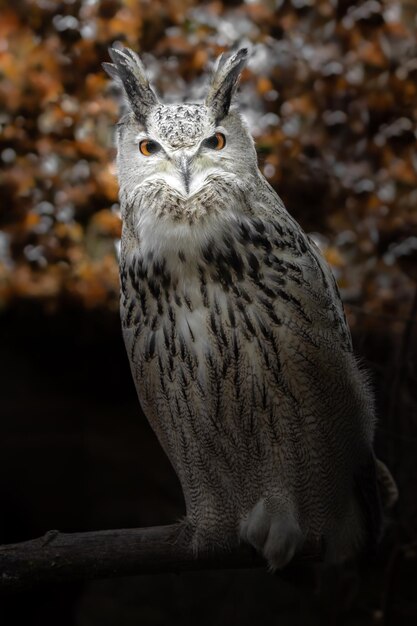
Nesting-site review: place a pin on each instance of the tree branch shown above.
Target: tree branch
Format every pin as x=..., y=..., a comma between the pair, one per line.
x=62, y=557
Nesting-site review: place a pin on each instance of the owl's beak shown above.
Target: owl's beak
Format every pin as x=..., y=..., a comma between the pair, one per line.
x=184, y=168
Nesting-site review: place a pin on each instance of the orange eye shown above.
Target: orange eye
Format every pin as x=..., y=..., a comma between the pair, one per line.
x=216, y=142
x=149, y=147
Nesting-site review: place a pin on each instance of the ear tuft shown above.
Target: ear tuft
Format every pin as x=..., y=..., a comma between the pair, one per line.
x=111, y=70
x=224, y=82
x=128, y=69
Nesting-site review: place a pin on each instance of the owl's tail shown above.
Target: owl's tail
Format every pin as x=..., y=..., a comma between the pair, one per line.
x=377, y=493
x=387, y=486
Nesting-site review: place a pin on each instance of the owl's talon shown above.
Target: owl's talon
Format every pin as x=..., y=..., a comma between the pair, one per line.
x=274, y=533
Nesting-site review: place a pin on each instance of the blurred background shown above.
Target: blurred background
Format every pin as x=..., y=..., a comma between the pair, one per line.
x=330, y=94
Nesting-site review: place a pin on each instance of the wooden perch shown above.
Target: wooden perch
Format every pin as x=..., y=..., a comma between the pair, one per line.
x=63, y=557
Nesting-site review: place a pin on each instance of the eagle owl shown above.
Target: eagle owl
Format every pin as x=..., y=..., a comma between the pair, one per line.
x=235, y=333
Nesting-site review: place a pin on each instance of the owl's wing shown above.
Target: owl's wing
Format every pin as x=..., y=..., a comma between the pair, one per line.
x=330, y=282
x=290, y=267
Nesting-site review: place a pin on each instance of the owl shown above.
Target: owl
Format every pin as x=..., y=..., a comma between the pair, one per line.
x=236, y=335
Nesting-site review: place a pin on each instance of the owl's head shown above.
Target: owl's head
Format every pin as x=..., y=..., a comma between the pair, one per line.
x=181, y=156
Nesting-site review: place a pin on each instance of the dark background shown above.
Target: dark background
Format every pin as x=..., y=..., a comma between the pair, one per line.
x=330, y=94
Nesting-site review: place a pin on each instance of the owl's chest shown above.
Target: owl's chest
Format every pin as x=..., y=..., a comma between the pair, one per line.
x=180, y=329
x=234, y=316
x=210, y=337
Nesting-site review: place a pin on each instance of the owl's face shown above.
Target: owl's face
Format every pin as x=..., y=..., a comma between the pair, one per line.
x=183, y=149
x=180, y=165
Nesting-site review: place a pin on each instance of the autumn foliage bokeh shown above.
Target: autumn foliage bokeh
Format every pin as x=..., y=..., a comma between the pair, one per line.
x=330, y=95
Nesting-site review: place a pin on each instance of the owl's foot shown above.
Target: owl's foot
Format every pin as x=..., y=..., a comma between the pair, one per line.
x=271, y=527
